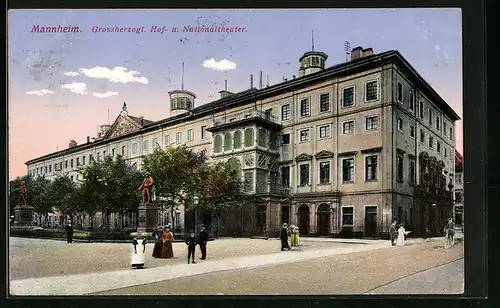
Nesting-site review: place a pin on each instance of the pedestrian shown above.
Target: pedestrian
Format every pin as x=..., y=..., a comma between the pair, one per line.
x=138, y=252
x=191, y=243
x=392, y=233
x=284, y=237
x=157, y=238
x=401, y=235
x=166, y=248
x=69, y=232
x=449, y=232
x=202, y=241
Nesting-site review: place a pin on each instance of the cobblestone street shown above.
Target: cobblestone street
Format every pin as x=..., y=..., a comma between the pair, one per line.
x=237, y=266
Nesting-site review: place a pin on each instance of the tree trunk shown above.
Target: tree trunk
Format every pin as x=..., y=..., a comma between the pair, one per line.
x=173, y=220
x=122, y=219
x=91, y=218
x=107, y=222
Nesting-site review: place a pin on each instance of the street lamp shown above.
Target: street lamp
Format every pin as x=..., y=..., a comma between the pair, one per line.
x=196, y=200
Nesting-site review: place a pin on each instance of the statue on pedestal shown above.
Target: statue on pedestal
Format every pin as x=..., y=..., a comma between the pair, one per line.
x=22, y=193
x=146, y=187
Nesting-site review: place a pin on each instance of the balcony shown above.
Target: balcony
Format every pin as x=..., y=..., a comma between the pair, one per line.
x=265, y=119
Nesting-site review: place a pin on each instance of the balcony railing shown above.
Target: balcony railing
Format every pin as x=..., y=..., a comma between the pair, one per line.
x=221, y=120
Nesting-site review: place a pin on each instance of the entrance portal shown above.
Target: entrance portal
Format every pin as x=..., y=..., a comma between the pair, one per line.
x=303, y=215
x=371, y=221
x=323, y=219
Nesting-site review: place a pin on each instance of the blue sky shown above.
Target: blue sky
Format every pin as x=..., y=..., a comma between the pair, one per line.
x=431, y=39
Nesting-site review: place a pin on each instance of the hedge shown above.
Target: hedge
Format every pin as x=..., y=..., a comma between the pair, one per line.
x=100, y=235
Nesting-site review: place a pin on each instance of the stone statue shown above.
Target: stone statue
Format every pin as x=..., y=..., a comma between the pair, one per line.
x=146, y=186
x=22, y=193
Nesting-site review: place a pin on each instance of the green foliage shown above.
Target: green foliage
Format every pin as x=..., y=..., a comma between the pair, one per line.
x=63, y=195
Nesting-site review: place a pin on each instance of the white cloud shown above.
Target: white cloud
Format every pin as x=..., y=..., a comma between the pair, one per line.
x=118, y=74
x=76, y=87
x=442, y=55
x=222, y=65
x=70, y=73
x=103, y=95
x=41, y=92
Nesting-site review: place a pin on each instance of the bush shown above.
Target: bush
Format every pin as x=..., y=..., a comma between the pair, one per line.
x=123, y=235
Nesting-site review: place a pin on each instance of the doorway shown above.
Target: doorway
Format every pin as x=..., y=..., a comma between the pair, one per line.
x=285, y=215
x=370, y=221
x=260, y=219
x=323, y=219
x=304, y=217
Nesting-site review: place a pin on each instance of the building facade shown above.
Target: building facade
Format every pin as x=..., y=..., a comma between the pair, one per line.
x=458, y=210
x=337, y=151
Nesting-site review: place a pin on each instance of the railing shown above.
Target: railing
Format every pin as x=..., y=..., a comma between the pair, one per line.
x=221, y=120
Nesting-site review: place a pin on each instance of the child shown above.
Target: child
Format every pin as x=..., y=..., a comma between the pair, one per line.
x=191, y=243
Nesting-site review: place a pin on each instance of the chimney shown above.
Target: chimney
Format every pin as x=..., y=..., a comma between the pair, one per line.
x=251, y=81
x=225, y=85
x=260, y=80
x=356, y=53
x=225, y=93
x=72, y=144
x=367, y=52
x=293, y=76
x=88, y=139
x=267, y=84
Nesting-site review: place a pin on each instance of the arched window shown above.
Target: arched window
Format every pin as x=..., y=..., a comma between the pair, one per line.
x=237, y=139
x=217, y=144
x=263, y=139
x=249, y=137
x=227, y=142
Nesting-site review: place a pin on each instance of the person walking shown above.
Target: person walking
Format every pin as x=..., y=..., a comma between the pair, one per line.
x=69, y=232
x=191, y=243
x=284, y=238
x=158, y=243
x=449, y=231
x=202, y=241
x=392, y=233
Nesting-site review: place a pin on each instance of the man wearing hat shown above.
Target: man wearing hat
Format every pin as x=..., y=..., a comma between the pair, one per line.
x=284, y=237
x=202, y=241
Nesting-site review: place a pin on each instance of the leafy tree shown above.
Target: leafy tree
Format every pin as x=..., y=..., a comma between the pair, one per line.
x=176, y=174
x=63, y=195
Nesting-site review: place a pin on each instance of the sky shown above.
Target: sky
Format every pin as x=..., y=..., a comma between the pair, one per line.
x=63, y=85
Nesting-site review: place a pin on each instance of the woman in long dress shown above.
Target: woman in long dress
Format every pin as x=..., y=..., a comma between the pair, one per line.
x=291, y=237
x=138, y=253
x=401, y=236
x=166, y=249
x=157, y=238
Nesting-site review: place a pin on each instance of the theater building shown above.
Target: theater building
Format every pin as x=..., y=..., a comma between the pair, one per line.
x=338, y=150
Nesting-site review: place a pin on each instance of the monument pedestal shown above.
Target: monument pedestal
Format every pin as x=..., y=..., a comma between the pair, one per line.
x=23, y=216
x=148, y=219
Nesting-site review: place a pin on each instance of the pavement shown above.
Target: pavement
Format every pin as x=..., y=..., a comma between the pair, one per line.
x=246, y=267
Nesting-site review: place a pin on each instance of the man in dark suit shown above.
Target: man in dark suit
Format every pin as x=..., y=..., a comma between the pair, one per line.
x=202, y=241
x=69, y=232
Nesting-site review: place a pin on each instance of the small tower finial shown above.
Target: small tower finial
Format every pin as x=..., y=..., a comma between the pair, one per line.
x=182, y=84
x=312, y=39
x=124, y=109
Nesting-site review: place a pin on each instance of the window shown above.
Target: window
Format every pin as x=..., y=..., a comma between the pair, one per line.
x=124, y=149
x=412, y=102
x=371, y=123
x=83, y=160
x=72, y=178
x=348, y=97
x=348, y=127
x=238, y=140
x=412, y=173
x=458, y=197
x=285, y=139
x=134, y=148
x=285, y=176
x=444, y=127
x=445, y=152
x=431, y=142
x=451, y=133
x=60, y=164
x=285, y=112
x=146, y=145
x=324, y=172
x=78, y=161
x=217, y=143
x=422, y=136
x=268, y=113
x=50, y=168
x=178, y=138
x=371, y=91
x=430, y=116
x=71, y=164
x=98, y=156
x=304, y=174
x=190, y=135
x=66, y=163
x=421, y=109
x=399, y=167
x=304, y=135
x=305, y=108
x=371, y=168
x=227, y=141
x=399, y=94
x=438, y=147
x=412, y=131
x=204, y=132
x=103, y=153
x=348, y=170
x=113, y=152
x=324, y=131
x=154, y=144
x=324, y=102
x=458, y=178
x=400, y=124
x=347, y=216
x=438, y=126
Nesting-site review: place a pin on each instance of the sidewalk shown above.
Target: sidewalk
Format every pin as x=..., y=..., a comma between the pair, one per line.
x=103, y=281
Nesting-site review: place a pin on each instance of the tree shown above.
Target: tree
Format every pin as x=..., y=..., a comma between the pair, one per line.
x=63, y=195
x=220, y=188
x=176, y=174
x=92, y=189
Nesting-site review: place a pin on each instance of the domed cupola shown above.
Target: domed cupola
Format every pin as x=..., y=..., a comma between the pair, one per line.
x=181, y=101
x=312, y=61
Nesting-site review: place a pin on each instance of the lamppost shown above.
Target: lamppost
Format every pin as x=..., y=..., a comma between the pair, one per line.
x=196, y=200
